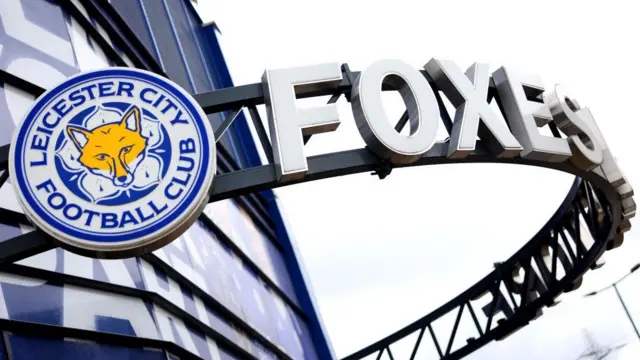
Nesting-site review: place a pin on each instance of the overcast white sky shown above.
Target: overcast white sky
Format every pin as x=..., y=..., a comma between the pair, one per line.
x=382, y=253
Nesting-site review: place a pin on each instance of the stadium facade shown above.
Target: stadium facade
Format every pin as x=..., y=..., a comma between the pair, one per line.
x=231, y=287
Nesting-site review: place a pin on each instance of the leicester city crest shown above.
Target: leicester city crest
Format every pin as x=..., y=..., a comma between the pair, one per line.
x=113, y=163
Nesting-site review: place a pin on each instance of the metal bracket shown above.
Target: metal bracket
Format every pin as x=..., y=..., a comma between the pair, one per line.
x=348, y=75
x=383, y=169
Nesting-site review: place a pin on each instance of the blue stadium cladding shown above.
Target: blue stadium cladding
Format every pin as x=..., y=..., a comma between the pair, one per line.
x=230, y=288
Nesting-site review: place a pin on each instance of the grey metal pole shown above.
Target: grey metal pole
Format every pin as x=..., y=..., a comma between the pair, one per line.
x=615, y=287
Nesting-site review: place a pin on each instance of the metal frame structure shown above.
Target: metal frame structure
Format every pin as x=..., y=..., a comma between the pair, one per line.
x=262, y=208
x=550, y=263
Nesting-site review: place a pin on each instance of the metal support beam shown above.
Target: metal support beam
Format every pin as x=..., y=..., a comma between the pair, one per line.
x=228, y=120
x=626, y=311
x=262, y=133
x=4, y=157
x=24, y=246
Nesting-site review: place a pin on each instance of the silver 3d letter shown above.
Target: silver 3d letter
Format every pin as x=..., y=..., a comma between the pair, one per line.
x=525, y=116
x=468, y=93
x=287, y=123
x=371, y=118
x=586, y=152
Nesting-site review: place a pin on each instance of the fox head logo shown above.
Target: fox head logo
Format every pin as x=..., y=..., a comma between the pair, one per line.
x=112, y=150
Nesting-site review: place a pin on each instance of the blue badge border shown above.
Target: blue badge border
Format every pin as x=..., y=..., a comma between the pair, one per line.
x=97, y=237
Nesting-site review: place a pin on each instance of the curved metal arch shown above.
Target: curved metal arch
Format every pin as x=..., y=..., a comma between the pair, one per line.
x=361, y=160
x=526, y=299
x=358, y=161
x=559, y=245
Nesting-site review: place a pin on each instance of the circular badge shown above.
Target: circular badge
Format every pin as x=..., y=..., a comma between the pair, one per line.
x=113, y=163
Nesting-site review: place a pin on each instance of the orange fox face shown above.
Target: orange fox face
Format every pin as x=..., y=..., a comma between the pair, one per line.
x=112, y=150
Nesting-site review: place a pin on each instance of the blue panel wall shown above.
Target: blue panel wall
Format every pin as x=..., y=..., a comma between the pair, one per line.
x=248, y=290
x=133, y=13
x=169, y=49
x=186, y=33
x=30, y=347
x=181, y=52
